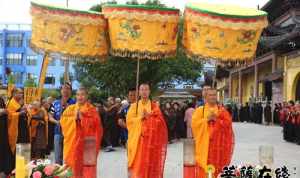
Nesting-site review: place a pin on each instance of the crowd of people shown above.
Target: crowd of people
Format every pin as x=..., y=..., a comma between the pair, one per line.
x=39, y=124
x=289, y=115
x=47, y=125
x=286, y=114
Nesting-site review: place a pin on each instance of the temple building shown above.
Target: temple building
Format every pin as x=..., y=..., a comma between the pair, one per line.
x=275, y=72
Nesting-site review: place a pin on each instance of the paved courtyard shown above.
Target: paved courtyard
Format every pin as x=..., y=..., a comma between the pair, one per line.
x=248, y=138
x=114, y=164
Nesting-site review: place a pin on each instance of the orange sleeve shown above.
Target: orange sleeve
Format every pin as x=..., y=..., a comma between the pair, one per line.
x=99, y=128
x=228, y=144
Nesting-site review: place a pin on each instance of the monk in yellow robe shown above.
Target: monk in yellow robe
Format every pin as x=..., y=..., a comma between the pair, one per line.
x=213, y=136
x=18, y=124
x=147, y=138
x=82, y=131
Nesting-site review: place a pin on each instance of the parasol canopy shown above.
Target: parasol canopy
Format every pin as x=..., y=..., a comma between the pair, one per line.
x=142, y=32
x=72, y=33
x=226, y=34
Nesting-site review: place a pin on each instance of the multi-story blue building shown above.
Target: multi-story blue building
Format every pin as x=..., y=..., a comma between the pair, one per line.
x=16, y=54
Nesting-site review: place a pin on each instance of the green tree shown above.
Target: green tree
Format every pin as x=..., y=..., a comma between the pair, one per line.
x=98, y=7
x=116, y=75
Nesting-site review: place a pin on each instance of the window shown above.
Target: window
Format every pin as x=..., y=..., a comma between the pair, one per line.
x=1, y=40
x=14, y=40
x=50, y=79
x=17, y=77
x=14, y=58
x=1, y=60
x=188, y=86
x=28, y=41
x=31, y=60
x=31, y=76
x=52, y=62
x=62, y=62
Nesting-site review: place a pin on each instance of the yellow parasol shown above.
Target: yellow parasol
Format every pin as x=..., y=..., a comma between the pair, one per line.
x=223, y=33
x=70, y=33
x=142, y=32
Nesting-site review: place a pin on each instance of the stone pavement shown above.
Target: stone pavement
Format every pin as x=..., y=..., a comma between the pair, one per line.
x=114, y=164
x=248, y=138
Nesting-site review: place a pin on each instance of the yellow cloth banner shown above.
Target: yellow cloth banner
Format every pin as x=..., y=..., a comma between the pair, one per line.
x=67, y=32
x=142, y=32
x=30, y=94
x=226, y=45
x=228, y=34
x=143, y=36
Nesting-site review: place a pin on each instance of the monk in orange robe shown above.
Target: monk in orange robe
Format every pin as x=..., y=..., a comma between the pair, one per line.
x=82, y=131
x=38, y=117
x=147, y=138
x=213, y=136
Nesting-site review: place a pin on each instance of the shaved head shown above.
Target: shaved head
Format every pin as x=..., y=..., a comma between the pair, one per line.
x=211, y=96
x=205, y=88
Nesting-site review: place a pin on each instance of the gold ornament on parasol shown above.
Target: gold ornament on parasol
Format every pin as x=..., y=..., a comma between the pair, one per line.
x=225, y=34
x=142, y=32
x=71, y=33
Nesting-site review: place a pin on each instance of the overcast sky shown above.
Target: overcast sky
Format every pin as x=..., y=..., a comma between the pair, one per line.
x=17, y=11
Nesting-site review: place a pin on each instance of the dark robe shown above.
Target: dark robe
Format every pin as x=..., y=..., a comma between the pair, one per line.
x=259, y=113
x=276, y=116
x=268, y=114
x=255, y=113
x=39, y=140
x=251, y=113
x=234, y=113
x=297, y=129
x=23, y=134
x=111, y=129
x=290, y=128
x=50, y=145
x=241, y=113
x=245, y=116
x=170, y=119
x=6, y=157
x=180, y=125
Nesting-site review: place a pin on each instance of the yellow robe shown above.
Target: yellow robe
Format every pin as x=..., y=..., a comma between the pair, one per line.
x=74, y=133
x=134, y=126
x=13, y=123
x=201, y=134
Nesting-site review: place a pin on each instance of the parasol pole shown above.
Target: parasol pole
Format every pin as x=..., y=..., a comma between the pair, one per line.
x=66, y=62
x=43, y=74
x=137, y=85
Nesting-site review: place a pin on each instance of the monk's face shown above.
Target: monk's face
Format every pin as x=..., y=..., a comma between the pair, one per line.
x=144, y=91
x=81, y=97
x=211, y=97
x=131, y=96
x=204, y=91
